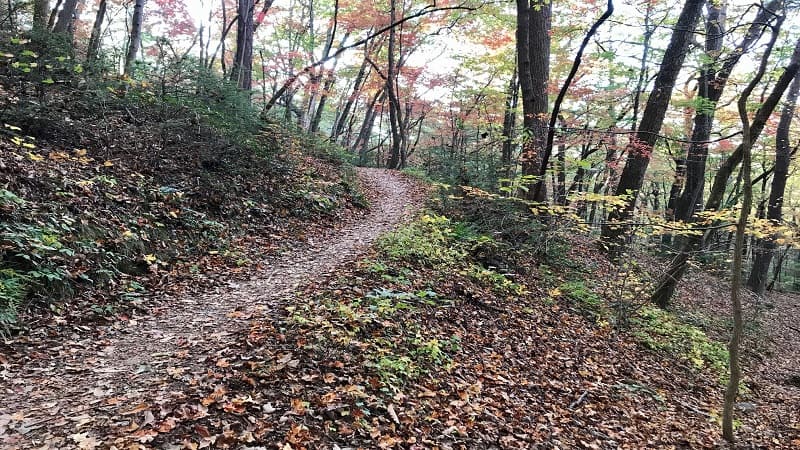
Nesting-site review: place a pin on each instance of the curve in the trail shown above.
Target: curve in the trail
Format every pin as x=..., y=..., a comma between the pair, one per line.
x=64, y=388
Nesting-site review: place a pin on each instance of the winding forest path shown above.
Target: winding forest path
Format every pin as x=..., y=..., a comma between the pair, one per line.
x=55, y=395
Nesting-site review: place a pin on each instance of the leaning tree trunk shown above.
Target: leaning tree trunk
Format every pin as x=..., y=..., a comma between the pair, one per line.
x=710, y=88
x=97, y=29
x=765, y=248
x=135, y=39
x=341, y=122
x=642, y=143
x=668, y=282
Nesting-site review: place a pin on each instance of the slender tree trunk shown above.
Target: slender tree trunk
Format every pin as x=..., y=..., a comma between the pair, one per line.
x=241, y=72
x=641, y=145
x=561, y=172
x=732, y=389
x=362, y=140
x=97, y=29
x=509, y=123
x=395, y=112
x=135, y=39
x=341, y=122
x=326, y=88
x=766, y=247
x=710, y=88
x=667, y=284
x=53, y=15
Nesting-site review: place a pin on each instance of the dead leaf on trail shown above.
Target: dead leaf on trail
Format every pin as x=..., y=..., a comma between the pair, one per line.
x=136, y=409
x=202, y=431
x=84, y=441
x=388, y=441
x=223, y=363
x=167, y=425
x=217, y=395
x=144, y=436
x=329, y=378
x=298, y=406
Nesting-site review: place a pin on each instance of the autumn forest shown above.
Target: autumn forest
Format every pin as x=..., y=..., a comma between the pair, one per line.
x=445, y=224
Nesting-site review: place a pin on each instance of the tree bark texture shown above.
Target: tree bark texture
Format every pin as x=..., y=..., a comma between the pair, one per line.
x=94, y=40
x=135, y=39
x=241, y=72
x=533, y=59
x=765, y=248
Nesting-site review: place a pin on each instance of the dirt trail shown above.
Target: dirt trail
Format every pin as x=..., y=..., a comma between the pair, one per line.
x=58, y=392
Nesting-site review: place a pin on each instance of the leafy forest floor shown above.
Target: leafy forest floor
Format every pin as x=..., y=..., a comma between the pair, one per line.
x=430, y=336
x=185, y=277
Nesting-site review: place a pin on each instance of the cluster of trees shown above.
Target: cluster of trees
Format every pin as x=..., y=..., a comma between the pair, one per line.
x=564, y=102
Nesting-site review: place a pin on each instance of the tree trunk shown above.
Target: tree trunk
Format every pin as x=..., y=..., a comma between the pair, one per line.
x=509, y=123
x=533, y=56
x=135, y=39
x=65, y=17
x=326, y=88
x=766, y=247
x=710, y=88
x=241, y=72
x=641, y=145
x=53, y=15
x=97, y=29
x=732, y=389
x=362, y=140
x=341, y=121
x=395, y=112
x=667, y=284
x=40, y=14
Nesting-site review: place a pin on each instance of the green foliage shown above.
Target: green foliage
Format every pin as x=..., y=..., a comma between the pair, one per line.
x=423, y=242
x=499, y=282
x=13, y=290
x=583, y=295
x=659, y=330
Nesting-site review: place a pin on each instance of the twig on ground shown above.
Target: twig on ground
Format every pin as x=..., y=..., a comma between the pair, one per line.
x=577, y=402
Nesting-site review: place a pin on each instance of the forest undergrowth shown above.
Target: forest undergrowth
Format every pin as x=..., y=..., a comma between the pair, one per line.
x=474, y=327
x=113, y=191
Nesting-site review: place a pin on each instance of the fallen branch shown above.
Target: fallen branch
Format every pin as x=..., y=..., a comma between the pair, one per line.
x=577, y=402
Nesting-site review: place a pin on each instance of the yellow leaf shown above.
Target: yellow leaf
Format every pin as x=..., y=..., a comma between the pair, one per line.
x=150, y=259
x=555, y=292
x=12, y=127
x=80, y=152
x=28, y=145
x=108, y=164
x=35, y=157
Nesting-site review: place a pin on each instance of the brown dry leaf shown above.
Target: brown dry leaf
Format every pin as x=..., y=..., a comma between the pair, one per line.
x=167, y=425
x=329, y=378
x=388, y=441
x=144, y=436
x=136, y=409
x=298, y=406
x=223, y=363
x=84, y=441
